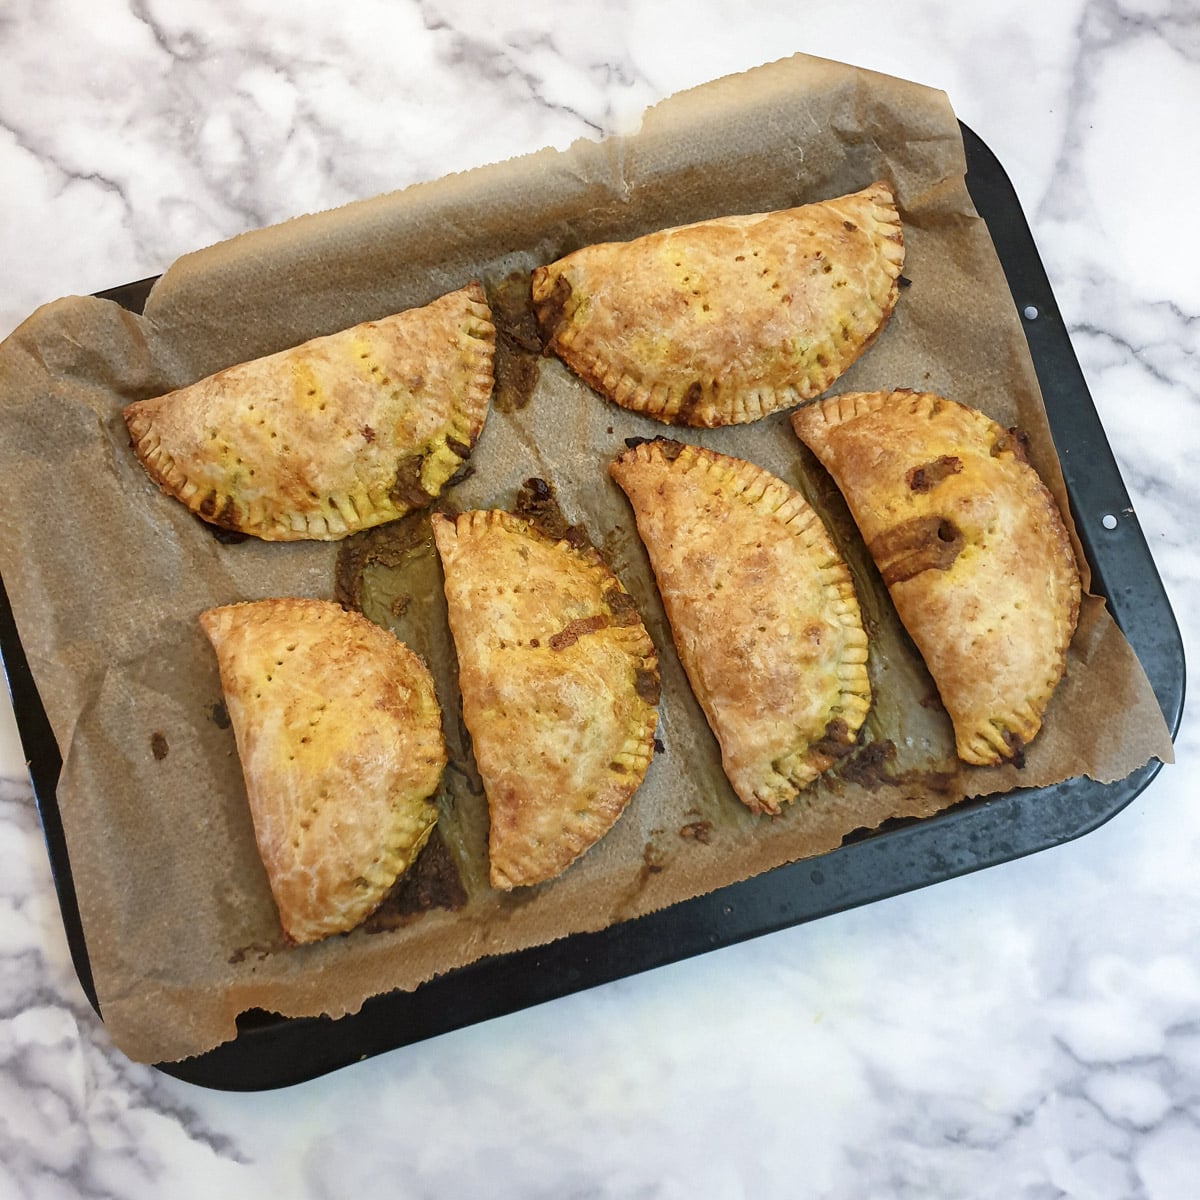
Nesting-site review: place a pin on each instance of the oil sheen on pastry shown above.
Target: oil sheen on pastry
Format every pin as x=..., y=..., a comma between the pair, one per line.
x=762, y=609
x=339, y=434
x=340, y=738
x=559, y=684
x=971, y=546
x=724, y=321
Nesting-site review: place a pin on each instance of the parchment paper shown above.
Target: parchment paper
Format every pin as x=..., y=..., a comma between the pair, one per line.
x=106, y=575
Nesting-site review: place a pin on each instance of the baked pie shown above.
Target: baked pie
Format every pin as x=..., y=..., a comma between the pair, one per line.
x=340, y=739
x=339, y=434
x=559, y=685
x=972, y=547
x=762, y=609
x=726, y=320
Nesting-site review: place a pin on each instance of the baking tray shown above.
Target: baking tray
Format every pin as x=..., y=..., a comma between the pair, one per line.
x=270, y=1051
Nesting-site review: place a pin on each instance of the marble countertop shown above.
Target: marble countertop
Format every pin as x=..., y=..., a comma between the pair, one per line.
x=1028, y=1031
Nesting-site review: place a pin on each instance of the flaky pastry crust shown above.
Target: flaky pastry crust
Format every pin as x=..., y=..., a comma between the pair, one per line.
x=340, y=738
x=559, y=683
x=972, y=547
x=762, y=609
x=724, y=321
x=339, y=434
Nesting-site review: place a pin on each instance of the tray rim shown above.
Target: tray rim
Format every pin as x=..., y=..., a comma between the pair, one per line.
x=271, y=1051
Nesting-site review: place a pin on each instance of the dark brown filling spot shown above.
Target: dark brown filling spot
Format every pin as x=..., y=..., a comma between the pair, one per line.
x=464, y=471
x=226, y=516
x=836, y=742
x=407, y=489
x=574, y=630
x=697, y=831
x=431, y=882
x=158, y=745
x=924, y=478
x=218, y=714
x=551, y=312
x=459, y=448
x=669, y=448
x=868, y=768
x=929, y=543
x=653, y=862
x=537, y=502
x=227, y=537
x=387, y=545
x=1013, y=441
x=689, y=403
x=622, y=607
x=1016, y=748
x=518, y=346
x=648, y=687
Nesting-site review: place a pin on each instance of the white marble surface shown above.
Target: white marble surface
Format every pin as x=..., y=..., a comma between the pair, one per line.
x=1029, y=1031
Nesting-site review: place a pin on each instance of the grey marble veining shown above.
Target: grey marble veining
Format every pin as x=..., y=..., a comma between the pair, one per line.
x=1032, y=1031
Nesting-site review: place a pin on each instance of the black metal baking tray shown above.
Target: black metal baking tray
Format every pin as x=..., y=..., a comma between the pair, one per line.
x=271, y=1051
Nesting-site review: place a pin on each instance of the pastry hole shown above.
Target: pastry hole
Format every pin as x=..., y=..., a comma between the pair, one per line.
x=1108, y=521
x=1031, y=312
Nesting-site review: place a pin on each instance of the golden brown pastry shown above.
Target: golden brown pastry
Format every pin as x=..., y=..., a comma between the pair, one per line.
x=762, y=609
x=971, y=546
x=338, y=434
x=727, y=320
x=559, y=684
x=340, y=738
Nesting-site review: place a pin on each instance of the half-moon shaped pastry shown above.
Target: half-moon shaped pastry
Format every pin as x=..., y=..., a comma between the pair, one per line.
x=762, y=609
x=724, y=321
x=339, y=434
x=971, y=546
x=559, y=683
x=340, y=738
